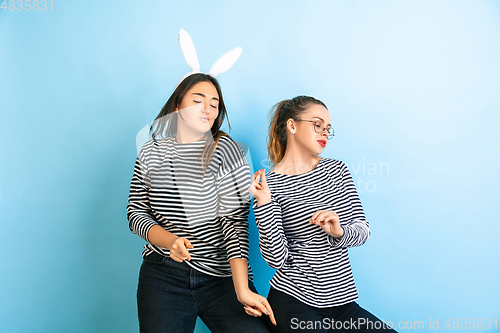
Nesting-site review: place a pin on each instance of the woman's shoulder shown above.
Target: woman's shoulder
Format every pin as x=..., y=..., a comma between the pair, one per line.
x=226, y=140
x=229, y=154
x=331, y=162
x=229, y=148
x=154, y=144
x=335, y=166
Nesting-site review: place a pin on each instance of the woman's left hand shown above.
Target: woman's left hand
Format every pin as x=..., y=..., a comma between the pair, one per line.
x=329, y=222
x=256, y=305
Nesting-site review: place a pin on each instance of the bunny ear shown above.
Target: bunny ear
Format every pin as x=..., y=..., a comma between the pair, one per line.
x=188, y=50
x=225, y=62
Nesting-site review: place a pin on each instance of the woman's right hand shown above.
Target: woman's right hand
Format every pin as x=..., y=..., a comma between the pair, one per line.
x=178, y=249
x=256, y=304
x=259, y=188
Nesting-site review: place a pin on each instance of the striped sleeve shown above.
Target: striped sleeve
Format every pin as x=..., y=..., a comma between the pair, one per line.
x=234, y=205
x=272, y=240
x=138, y=208
x=356, y=229
x=233, y=211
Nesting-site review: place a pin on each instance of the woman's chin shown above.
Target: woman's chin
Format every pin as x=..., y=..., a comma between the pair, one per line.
x=204, y=127
x=200, y=130
x=319, y=151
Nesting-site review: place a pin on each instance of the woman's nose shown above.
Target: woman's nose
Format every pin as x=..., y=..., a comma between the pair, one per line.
x=206, y=107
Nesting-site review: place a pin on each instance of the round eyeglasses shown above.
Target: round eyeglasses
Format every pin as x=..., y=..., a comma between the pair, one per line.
x=319, y=127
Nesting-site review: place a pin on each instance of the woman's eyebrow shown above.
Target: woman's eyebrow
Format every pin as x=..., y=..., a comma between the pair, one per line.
x=322, y=120
x=202, y=95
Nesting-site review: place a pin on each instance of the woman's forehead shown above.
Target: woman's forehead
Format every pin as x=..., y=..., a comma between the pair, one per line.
x=205, y=88
x=318, y=111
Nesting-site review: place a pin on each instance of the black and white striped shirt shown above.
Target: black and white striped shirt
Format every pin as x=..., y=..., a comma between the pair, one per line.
x=210, y=209
x=312, y=266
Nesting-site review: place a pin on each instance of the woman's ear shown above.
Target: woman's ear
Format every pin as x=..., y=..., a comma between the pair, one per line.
x=290, y=124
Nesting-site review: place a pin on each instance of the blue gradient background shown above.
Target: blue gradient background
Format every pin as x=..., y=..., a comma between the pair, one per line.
x=413, y=89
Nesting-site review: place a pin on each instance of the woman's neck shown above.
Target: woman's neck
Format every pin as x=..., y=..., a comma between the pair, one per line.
x=190, y=136
x=296, y=163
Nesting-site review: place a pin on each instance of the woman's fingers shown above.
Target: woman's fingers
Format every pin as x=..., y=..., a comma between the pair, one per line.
x=254, y=177
x=174, y=257
x=263, y=181
x=321, y=216
x=257, y=184
x=177, y=256
x=263, y=178
x=334, y=218
x=256, y=180
x=185, y=252
x=179, y=250
x=252, y=311
x=270, y=312
x=249, y=313
x=188, y=244
x=314, y=216
x=257, y=175
x=263, y=306
x=331, y=217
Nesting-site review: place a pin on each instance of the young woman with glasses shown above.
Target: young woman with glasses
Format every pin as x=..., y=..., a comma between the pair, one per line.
x=308, y=214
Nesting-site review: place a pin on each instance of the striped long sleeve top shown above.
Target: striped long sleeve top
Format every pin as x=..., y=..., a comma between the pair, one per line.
x=169, y=188
x=310, y=264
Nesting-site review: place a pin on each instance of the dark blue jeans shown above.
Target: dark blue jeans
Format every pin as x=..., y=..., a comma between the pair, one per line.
x=171, y=295
x=294, y=316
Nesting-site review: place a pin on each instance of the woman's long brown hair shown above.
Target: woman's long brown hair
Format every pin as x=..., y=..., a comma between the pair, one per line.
x=165, y=123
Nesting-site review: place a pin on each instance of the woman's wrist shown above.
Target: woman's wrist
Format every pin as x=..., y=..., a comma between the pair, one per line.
x=338, y=233
x=239, y=270
x=161, y=237
x=240, y=285
x=241, y=291
x=264, y=200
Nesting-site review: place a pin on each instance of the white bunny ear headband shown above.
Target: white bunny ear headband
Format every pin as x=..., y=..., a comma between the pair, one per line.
x=220, y=66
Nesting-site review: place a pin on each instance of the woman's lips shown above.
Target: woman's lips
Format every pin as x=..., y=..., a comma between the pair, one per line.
x=322, y=143
x=204, y=119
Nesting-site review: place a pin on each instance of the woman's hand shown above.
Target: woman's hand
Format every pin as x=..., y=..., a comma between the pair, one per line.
x=256, y=305
x=176, y=245
x=178, y=249
x=329, y=222
x=259, y=188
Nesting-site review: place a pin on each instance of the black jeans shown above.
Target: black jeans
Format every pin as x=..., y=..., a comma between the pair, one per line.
x=294, y=316
x=171, y=295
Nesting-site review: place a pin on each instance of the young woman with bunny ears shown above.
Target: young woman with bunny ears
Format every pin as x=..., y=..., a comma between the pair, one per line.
x=308, y=213
x=188, y=199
